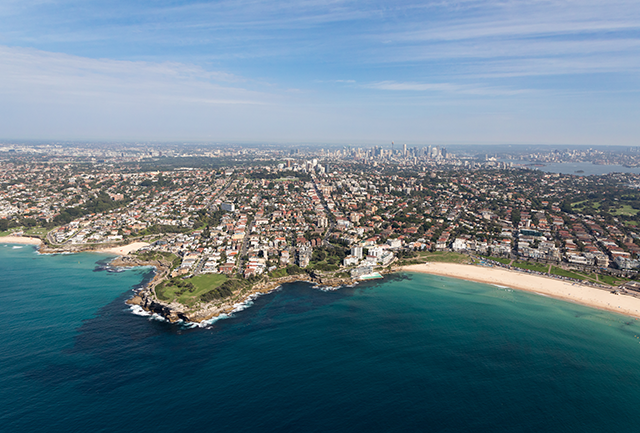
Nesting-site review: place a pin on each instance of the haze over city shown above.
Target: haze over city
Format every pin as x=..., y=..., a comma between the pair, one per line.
x=430, y=72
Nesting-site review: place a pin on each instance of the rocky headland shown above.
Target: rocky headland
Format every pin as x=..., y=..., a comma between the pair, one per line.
x=201, y=311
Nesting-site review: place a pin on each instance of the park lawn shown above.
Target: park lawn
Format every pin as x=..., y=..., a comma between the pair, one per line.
x=580, y=205
x=538, y=267
x=444, y=256
x=502, y=260
x=612, y=281
x=569, y=274
x=36, y=231
x=631, y=223
x=278, y=273
x=587, y=277
x=205, y=283
x=324, y=266
x=162, y=256
x=202, y=284
x=625, y=210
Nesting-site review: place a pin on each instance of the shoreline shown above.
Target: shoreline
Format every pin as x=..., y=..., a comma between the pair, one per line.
x=21, y=240
x=204, y=312
x=118, y=250
x=540, y=285
x=122, y=250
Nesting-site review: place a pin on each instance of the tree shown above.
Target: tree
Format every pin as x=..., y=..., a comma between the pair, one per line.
x=515, y=217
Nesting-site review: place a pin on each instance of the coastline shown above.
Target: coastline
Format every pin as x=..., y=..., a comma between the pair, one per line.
x=22, y=240
x=206, y=311
x=572, y=292
x=118, y=250
x=122, y=250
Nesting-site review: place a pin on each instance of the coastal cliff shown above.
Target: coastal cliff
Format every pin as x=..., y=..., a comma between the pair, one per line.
x=201, y=311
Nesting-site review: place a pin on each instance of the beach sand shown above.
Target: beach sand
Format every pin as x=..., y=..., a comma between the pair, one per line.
x=124, y=249
x=555, y=288
x=19, y=240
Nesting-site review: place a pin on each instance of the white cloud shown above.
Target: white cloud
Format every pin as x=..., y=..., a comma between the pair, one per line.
x=461, y=89
x=549, y=37
x=33, y=74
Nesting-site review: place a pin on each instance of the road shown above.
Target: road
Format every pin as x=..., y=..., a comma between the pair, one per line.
x=327, y=211
x=245, y=246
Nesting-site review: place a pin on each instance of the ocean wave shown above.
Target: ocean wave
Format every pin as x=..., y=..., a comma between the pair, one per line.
x=333, y=289
x=237, y=307
x=509, y=289
x=326, y=288
x=207, y=323
x=246, y=303
x=63, y=253
x=17, y=247
x=139, y=311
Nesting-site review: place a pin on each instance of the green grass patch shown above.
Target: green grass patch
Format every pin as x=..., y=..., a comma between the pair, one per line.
x=612, y=281
x=569, y=274
x=206, y=282
x=279, y=273
x=189, y=291
x=325, y=267
x=39, y=232
x=445, y=256
x=538, y=267
x=625, y=210
x=289, y=270
x=36, y=231
x=502, y=260
x=579, y=205
x=160, y=256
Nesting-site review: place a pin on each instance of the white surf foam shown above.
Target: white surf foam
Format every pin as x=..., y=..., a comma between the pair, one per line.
x=139, y=311
x=156, y=316
x=246, y=303
x=327, y=288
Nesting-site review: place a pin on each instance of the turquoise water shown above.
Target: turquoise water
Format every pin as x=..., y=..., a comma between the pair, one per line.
x=412, y=352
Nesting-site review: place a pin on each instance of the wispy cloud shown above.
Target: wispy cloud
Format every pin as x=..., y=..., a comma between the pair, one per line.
x=445, y=88
x=36, y=74
x=316, y=61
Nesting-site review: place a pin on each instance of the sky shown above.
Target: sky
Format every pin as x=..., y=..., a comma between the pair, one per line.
x=322, y=71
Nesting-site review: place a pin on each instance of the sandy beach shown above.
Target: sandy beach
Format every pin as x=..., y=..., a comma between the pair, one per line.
x=25, y=240
x=567, y=291
x=124, y=249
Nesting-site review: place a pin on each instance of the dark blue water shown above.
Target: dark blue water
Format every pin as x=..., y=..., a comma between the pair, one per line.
x=414, y=352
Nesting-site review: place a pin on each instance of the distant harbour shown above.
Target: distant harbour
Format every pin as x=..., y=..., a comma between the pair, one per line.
x=583, y=168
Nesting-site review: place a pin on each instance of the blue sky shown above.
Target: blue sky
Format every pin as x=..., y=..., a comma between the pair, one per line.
x=469, y=71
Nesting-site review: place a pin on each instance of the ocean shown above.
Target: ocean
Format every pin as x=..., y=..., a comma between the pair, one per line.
x=411, y=352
